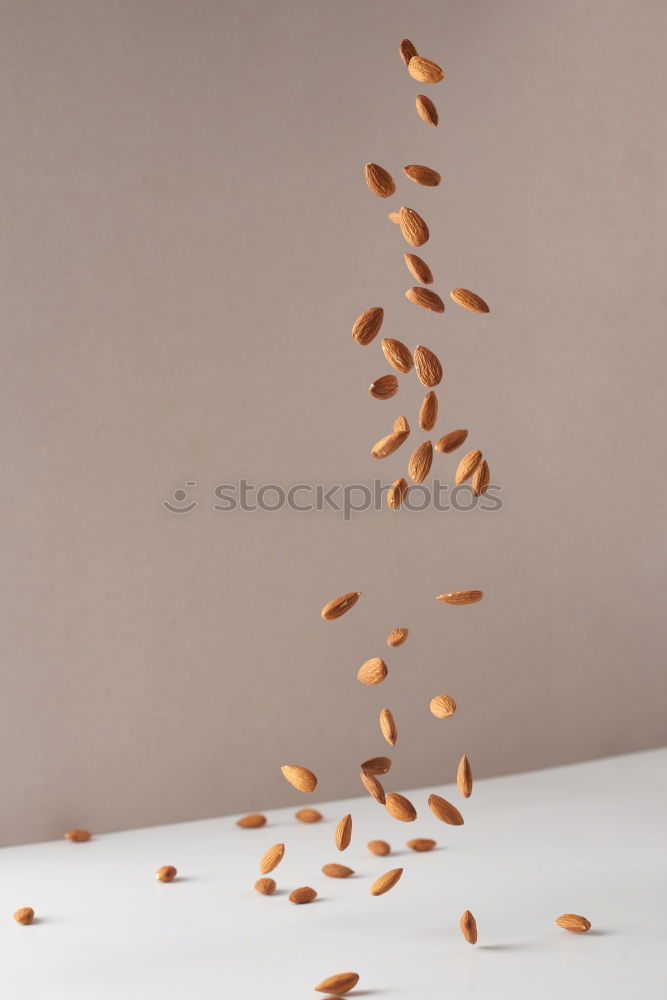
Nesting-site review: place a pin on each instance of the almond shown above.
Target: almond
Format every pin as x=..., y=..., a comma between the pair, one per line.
x=339, y=984
x=334, y=609
x=573, y=922
x=397, y=355
x=272, y=858
x=428, y=412
x=78, y=836
x=422, y=175
x=427, y=110
x=372, y=786
x=384, y=387
x=481, y=479
x=376, y=765
x=413, y=227
x=300, y=777
x=344, y=833
x=389, y=444
x=469, y=300
x=379, y=847
x=464, y=777
x=308, y=816
x=467, y=466
x=421, y=844
x=166, y=874
x=337, y=871
x=367, y=325
x=461, y=597
x=445, y=811
x=468, y=926
x=379, y=180
x=373, y=671
x=302, y=895
x=397, y=637
x=425, y=298
x=451, y=441
x=418, y=268
x=428, y=367
x=266, y=886
x=251, y=821
x=25, y=915
x=406, y=51
x=397, y=493
x=401, y=424
x=386, y=882
x=425, y=70
x=400, y=808
x=442, y=706
x=394, y=217
x=420, y=462
x=388, y=727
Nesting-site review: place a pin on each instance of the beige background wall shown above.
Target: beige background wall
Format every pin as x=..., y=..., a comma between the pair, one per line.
x=187, y=238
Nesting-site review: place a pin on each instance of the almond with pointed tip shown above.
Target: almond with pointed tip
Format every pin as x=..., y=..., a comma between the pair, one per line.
x=271, y=859
x=379, y=180
x=367, y=325
x=379, y=847
x=400, y=808
x=252, y=821
x=425, y=299
x=397, y=493
x=419, y=465
x=166, y=874
x=442, y=706
x=425, y=70
x=388, y=445
x=373, y=671
x=481, y=479
x=425, y=176
x=469, y=300
x=78, y=836
x=464, y=777
x=452, y=441
x=573, y=922
x=25, y=915
x=418, y=268
x=467, y=466
x=468, y=926
x=388, y=727
x=308, y=815
x=384, y=387
x=407, y=50
x=444, y=810
x=299, y=777
x=372, y=786
x=421, y=844
x=337, y=871
x=414, y=229
x=427, y=110
x=456, y=597
x=265, y=886
x=339, y=984
x=386, y=882
x=376, y=765
x=340, y=605
x=397, y=636
x=401, y=424
x=397, y=354
x=428, y=411
x=428, y=367
x=304, y=894
x=343, y=834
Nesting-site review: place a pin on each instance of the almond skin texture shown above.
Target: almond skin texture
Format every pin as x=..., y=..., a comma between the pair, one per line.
x=468, y=926
x=456, y=597
x=444, y=810
x=388, y=727
x=367, y=325
x=78, y=836
x=251, y=821
x=469, y=300
x=427, y=110
x=265, y=886
x=373, y=671
x=425, y=298
x=418, y=268
x=424, y=70
x=308, y=816
x=400, y=808
x=407, y=50
x=372, y=786
x=379, y=180
x=166, y=874
x=343, y=834
x=397, y=637
x=25, y=915
x=481, y=479
x=421, y=844
x=414, y=229
x=340, y=605
x=339, y=984
x=573, y=922
x=442, y=706
x=302, y=895
x=428, y=367
x=299, y=777
x=337, y=871
x=388, y=445
x=419, y=465
x=428, y=412
x=384, y=387
x=397, y=493
x=464, y=777
x=386, y=882
x=451, y=441
x=401, y=424
x=422, y=175
x=397, y=355
x=376, y=765
x=379, y=847
x=272, y=859
x=467, y=466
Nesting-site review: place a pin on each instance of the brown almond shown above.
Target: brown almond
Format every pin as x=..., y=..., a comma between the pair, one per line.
x=367, y=325
x=397, y=637
x=265, y=886
x=379, y=847
x=386, y=882
x=456, y=597
x=418, y=268
x=302, y=895
x=444, y=810
x=337, y=871
x=406, y=51
x=308, y=816
x=469, y=300
x=414, y=229
x=481, y=479
x=442, y=706
x=451, y=441
x=421, y=844
x=251, y=821
x=394, y=217
x=425, y=70
x=388, y=727
x=372, y=786
x=339, y=984
x=573, y=922
x=388, y=445
x=376, y=765
x=397, y=493
x=428, y=367
x=340, y=605
x=420, y=462
x=468, y=926
x=397, y=355
x=25, y=915
x=166, y=874
x=78, y=836
x=379, y=180
x=384, y=387
x=299, y=777
x=400, y=808
x=467, y=466
x=401, y=424
x=422, y=175
x=427, y=110
x=428, y=411
x=343, y=834
x=425, y=299
x=464, y=777
x=272, y=858
x=373, y=671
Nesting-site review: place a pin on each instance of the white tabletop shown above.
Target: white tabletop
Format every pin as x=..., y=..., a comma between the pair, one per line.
x=587, y=839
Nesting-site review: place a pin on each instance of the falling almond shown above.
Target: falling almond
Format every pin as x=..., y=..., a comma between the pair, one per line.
x=428, y=367
x=413, y=227
x=397, y=637
x=251, y=821
x=397, y=354
x=427, y=110
x=379, y=180
x=464, y=777
x=467, y=466
x=384, y=387
x=367, y=325
x=266, y=886
x=388, y=445
x=400, y=808
x=339, y=984
x=303, y=895
x=425, y=298
x=461, y=597
x=573, y=922
x=420, y=462
x=425, y=70
x=300, y=777
x=308, y=816
x=452, y=441
x=344, y=833
x=379, y=847
x=442, y=706
x=428, y=412
x=373, y=671
x=468, y=927
x=386, y=882
x=422, y=175
x=340, y=605
x=469, y=300
x=337, y=871
x=421, y=844
x=24, y=915
x=481, y=479
x=376, y=765
x=388, y=727
x=407, y=51
x=418, y=268
x=272, y=858
x=397, y=493
x=401, y=424
x=444, y=810
x=394, y=217
x=372, y=786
